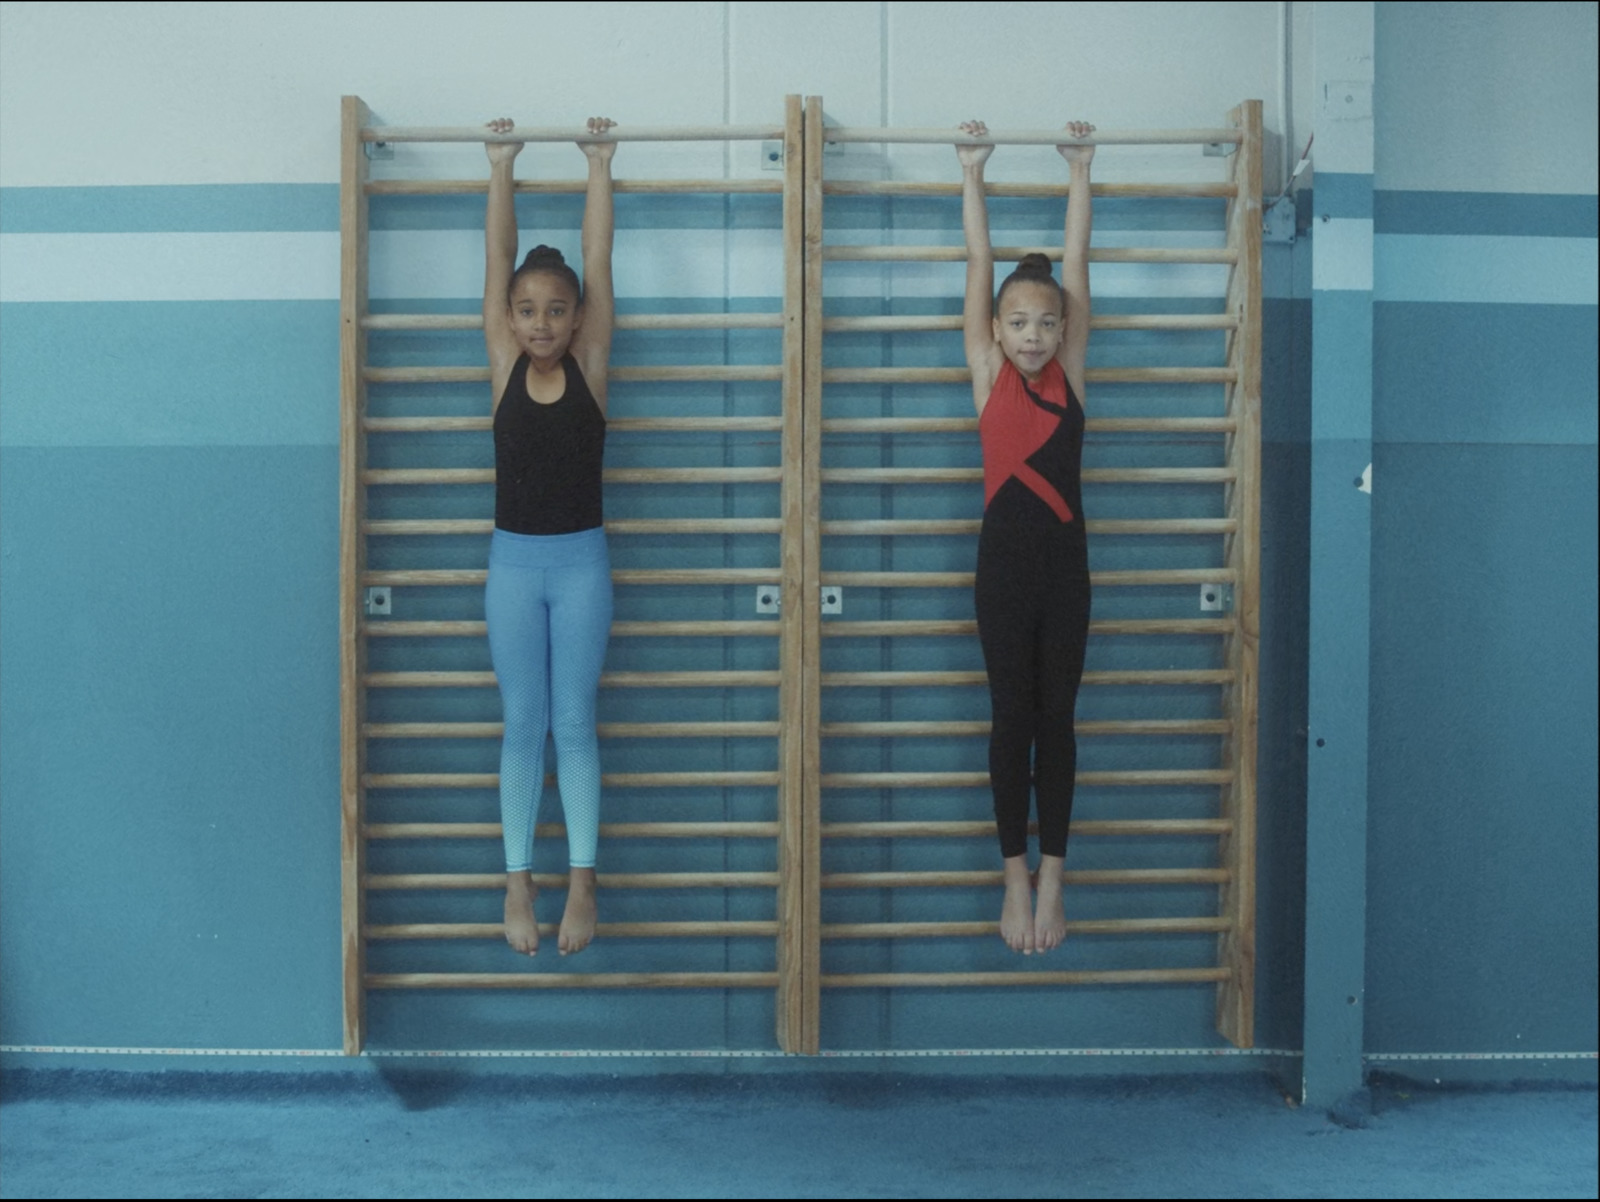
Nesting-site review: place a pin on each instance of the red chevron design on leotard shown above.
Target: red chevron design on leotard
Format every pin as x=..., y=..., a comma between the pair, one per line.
x=1013, y=427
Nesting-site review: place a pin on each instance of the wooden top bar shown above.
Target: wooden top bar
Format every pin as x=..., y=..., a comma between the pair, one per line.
x=1033, y=137
x=468, y=187
x=756, y=133
x=578, y=133
x=906, y=187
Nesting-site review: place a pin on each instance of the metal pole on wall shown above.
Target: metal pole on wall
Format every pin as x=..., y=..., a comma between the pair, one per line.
x=1341, y=570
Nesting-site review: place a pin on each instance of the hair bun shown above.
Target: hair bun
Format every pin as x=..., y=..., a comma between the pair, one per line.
x=543, y=258
x=547, y=260
x=1035, y=264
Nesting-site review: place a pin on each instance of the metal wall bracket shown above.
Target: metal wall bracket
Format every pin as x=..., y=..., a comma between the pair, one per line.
x=1216, y=597
x=832, y=599
x=378, y=150
x=769, y=599
x=1277, y=221
x=772, y=153
x=379, y=603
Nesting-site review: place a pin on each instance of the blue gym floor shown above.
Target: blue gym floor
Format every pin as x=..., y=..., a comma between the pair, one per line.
x=67, y=1133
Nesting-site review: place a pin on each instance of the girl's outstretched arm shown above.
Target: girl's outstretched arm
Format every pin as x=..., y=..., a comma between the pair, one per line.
x=500, y=259
x=983, y=354
x=1075, y=258
x=591, y=346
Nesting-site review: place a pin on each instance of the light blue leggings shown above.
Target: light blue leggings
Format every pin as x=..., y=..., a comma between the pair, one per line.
x=548, y=603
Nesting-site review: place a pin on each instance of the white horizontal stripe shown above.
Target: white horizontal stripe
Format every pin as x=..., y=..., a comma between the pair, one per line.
x=445, y=264
x=1488, y=269
x=169, y=267
x=854, y=278
x=848, y=278
x=448, y=264
x=439, y=264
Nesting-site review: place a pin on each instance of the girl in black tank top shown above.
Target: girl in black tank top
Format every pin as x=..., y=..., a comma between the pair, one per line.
x=548, y=598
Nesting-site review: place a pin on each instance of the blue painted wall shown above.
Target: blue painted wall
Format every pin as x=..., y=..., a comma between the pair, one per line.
x=169, y=528
x=169, y=769
x=168, y=746
x=1481, y=884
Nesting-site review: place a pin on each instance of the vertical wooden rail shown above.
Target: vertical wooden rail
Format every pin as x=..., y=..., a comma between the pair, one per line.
x=791, y=1006
x=1236, y=951
x=352, y=645
x=811, y=591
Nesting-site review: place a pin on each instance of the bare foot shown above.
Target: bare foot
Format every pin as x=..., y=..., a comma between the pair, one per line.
x=1016, y=915
x=577, y=921
x=1050, y=919
x=522, y=930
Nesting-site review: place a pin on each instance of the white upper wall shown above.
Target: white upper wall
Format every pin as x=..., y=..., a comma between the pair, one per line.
x=249, y=93
x=1476, y=97
x=1121, y=66
x=1487, y=97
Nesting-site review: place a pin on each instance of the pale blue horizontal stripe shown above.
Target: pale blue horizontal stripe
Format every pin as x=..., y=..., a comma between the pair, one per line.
x=742, y=211
x=1044, y=235
x=448, y=264
x=305, y=266
x=564, y=211
x=236, y=208
x=221, y=208
x=1341, y=254
x=277, y=265
x=185, y=208
x=903, y=281
x=1486, y=269
x=685, y=263
x=106, y=268
x=1010, y=213
x=856, y=278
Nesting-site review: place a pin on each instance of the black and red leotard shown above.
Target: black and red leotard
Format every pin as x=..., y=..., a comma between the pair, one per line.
x=1032, y=594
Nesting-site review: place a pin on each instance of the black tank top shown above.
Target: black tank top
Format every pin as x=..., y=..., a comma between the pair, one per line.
x=547, y=457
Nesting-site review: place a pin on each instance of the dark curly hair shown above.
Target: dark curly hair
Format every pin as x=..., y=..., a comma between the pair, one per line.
x=549, y=261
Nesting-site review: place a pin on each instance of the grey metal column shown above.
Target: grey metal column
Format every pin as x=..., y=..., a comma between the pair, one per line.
x=1341, y=544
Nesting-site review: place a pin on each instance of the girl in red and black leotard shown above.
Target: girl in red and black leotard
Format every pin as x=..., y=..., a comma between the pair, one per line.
x=1026, y=349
